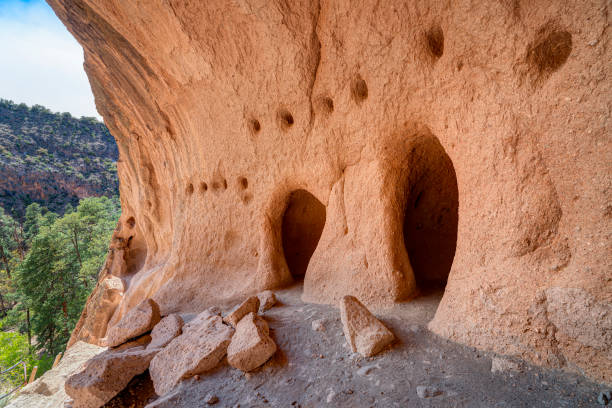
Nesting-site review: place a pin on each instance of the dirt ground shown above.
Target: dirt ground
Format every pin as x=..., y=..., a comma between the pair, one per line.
x=315, y=368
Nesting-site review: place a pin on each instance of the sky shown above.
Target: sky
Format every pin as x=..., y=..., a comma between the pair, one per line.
x=40, y=62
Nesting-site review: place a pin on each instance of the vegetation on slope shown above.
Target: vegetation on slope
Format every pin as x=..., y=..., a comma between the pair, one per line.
x=48, y=266
x=57, y=177
x=52, y=159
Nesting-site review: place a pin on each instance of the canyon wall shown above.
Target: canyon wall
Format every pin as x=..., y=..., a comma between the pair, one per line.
x=372, y=148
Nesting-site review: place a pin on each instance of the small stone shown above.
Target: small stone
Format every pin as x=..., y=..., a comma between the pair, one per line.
x=196, y=377
x=365, y=370
x=136, y=322
x=167, y=329
x=499, y=364
x=330, y=396
x=428, y=391
x=267, y=299
x=364, y=333
x=317, y=325
x=251, y=305
x=211, y=399
x=251, y=345
x=604, y=397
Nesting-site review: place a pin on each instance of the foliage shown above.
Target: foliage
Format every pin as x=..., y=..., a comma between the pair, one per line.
x=61, y=268
x=15, y=349
x=52, y=158
x=52, y=245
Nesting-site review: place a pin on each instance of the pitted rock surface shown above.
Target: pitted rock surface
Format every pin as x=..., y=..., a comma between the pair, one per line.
x=197, y=350
x=251, y=305
x=138, y=321
x=251, y=345
x=364, y=333
x=167, y=329
x=105, y=375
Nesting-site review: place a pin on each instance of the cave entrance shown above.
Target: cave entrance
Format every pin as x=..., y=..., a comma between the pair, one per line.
x=302, y=226
x=431, y=213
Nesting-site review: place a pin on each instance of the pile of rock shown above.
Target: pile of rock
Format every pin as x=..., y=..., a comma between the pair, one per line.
x=172, y=350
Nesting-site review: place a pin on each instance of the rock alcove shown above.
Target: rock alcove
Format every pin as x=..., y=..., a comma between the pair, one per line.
x=395, y=145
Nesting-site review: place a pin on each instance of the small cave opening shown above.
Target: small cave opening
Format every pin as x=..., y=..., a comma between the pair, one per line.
x=431, y=213
x=303, y=223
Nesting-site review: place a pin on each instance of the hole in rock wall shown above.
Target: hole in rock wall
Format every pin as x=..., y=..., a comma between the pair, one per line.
x=325, y=105
x=243, y=183
x=431, y=213
x=359, y=89
x=549, y=52
x=303, y=223
x=203, y=187
x=285, y=118
x=254, y=125
x=435, y=41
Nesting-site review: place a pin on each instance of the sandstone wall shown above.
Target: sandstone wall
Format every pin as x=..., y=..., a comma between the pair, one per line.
x=411, y=136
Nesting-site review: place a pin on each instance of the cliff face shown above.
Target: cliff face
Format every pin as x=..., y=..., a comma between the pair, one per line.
x=368, y=147
x=52, y=159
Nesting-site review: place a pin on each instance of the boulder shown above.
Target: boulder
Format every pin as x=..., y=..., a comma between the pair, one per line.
x=136, y=322
x=364, y=333
x=167, y=329
x=197, y=350
x=267, y=299
x=105, y=375
x=251, y=305
x=251, y=345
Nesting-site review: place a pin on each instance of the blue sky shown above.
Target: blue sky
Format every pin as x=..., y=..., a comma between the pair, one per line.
x=40, y=62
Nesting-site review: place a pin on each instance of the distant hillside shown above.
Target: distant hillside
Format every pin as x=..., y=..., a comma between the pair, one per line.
x=52, y=158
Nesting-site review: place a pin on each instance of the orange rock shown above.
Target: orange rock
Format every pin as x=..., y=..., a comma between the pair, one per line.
x=167, y=329
x=251, y=305
x=370, y=148
x=251, y=345
x=196, y=351
x=138, y=321
x=105, y=375
x=364, y=333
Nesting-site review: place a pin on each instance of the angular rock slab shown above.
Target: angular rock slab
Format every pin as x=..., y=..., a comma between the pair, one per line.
x=137, y=321
x=197, y=350
x=267, y=299
x=166, y=330
x=364, y=333
x=105, y=375
x=251, y=305
x=251, y=345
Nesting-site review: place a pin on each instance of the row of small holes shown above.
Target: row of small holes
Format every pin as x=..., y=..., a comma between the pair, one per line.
x=243, y=184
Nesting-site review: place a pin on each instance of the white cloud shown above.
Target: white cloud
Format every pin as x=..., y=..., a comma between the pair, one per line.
x=40, y=62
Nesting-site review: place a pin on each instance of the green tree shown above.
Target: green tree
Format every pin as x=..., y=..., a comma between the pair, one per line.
x=61, y=268
x=8, y=243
